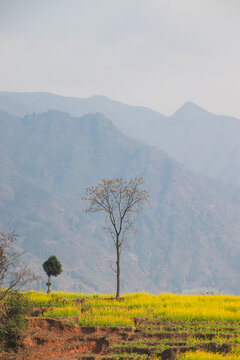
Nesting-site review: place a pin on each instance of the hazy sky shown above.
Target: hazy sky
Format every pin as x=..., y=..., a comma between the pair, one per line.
x=155, y=53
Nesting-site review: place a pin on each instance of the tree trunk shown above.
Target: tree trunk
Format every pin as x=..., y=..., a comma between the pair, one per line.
x=48, y=285
x=118, y=268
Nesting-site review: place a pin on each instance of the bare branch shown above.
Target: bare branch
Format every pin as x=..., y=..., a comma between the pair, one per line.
x=113, y=266
x=13, y=274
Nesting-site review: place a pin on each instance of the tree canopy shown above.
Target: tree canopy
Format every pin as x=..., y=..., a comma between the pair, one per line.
x=52, y=266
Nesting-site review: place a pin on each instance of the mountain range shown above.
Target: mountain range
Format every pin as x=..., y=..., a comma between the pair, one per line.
x=186, y=240
x=205, y=143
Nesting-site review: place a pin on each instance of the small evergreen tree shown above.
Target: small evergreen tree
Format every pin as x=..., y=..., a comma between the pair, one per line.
x=52, y=267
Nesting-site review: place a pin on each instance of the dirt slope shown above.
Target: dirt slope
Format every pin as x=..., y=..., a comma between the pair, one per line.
x=55, y=339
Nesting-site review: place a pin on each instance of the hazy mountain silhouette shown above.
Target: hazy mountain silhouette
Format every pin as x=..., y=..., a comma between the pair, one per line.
x=205, y=143
x=187, y=239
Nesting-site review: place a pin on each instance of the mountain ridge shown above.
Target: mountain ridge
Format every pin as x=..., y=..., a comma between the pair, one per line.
x=205, y=143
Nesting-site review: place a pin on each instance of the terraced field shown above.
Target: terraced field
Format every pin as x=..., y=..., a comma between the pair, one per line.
x=137, y=326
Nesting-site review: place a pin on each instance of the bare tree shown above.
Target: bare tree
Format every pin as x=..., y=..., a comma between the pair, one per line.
x=13, y=274
x=121, y=201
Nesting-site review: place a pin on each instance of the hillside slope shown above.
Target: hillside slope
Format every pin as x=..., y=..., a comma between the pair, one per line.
x=187, y=239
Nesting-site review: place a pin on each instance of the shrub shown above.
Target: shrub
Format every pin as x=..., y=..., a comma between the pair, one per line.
x=12, y=320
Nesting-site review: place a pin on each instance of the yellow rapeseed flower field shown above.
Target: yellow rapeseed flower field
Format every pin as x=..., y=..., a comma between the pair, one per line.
x=103, y=309
x=215, y=317
x=202, y=355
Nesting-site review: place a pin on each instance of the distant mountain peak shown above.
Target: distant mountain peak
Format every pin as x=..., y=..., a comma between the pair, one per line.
x=98, y=117
x=190, y=108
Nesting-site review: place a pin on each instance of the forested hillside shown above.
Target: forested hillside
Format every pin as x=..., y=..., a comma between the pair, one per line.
x=187, y=239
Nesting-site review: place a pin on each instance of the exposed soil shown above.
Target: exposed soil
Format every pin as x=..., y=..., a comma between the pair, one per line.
x=58, y=339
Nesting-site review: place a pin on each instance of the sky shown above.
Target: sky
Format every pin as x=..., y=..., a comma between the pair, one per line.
x=154, y=53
